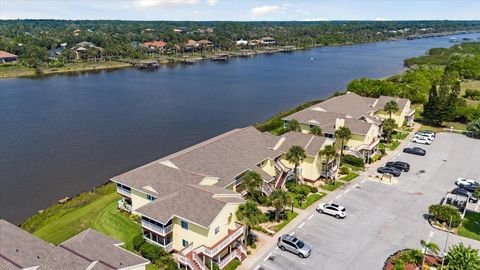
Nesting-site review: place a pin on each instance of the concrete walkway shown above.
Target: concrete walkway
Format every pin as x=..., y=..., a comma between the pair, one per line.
x=303, y=215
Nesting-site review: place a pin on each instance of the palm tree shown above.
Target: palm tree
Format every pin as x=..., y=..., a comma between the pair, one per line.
x=391, y=107
x=252, y=182
x=388, y=126
x=429, y=247
x=316, y=131
x=249, y=214
x=293, y=125
x=328, y=152
x=344, y=134
x=460, y=257
x=279, y=200
x=296, y=154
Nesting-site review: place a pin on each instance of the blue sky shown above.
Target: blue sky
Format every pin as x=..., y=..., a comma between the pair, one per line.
x=241, y=10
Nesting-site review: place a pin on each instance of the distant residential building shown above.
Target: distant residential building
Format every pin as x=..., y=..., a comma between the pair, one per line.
x=148, y=30
x=86, y=251
x=76, y=32
x=205, y=43
x=81, y=49
x=268, y=41
x=191, y=45
x=177, y=30
x=6, y=57
x=241, y=42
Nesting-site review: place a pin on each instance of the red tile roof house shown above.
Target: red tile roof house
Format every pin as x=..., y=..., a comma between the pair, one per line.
x=191, y=45
x=154, y=46
x=6, y=57
x=88, y=250
x=205, y=43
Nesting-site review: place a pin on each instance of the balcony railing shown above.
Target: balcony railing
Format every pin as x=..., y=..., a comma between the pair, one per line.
x=167, y=247
x=185, y=261
x=155, y=228
x=211, y=252
x=123, y=191
x=234, y=254
x=199, y=261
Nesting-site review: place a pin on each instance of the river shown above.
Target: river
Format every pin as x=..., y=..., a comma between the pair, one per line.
x=60, y=135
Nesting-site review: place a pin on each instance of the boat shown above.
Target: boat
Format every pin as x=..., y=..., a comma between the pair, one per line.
x=148, y=65
x=221, y=57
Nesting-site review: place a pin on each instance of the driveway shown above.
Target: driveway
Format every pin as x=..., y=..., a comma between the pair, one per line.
x=383, y=218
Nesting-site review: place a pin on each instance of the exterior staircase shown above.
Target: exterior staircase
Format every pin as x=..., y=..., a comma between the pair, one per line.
x=267, y=189
x=280, y=182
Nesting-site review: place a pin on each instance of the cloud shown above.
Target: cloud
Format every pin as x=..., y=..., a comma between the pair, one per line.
x=315, y=19
x=259, y=11
x=212, y=2
x=151, y=3
x=381, y=19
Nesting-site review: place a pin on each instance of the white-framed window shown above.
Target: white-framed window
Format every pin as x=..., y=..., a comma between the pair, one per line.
x=150, y=197
x=217, y=230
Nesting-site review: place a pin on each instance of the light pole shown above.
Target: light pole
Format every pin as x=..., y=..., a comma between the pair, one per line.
x=446, y=243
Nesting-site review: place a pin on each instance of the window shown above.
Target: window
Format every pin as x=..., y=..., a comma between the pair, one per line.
x=184, y=243
x=217, y=230
x=184, y=225
x=150, y=197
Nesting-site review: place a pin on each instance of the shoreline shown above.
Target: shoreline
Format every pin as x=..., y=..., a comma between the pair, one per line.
x=26, y=72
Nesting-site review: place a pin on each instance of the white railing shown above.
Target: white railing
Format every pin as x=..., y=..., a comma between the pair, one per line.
x=167, y=247
x=199, y=261
x=124, y=206
x=280, y=164
x=156, y=228
x=242, y=249
x=214, y=251
x=187, y=249
x=123, y=191
x=185, y=261
x=267, y=189
x=234, y=254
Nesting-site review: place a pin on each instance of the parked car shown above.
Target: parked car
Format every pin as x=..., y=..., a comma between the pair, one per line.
x=294, y=245
x=466, y=181
x=428, y=132
x=470, y=188
x=332, y=209
x=422, y=140
x=429, y=135
x=390, y=170
x=402, y=166
x=460, y=191
x=415, y=151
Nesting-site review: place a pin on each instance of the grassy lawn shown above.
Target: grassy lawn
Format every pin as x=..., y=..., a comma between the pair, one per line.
x=353, y=168
x=399, y=135
x=290, y=217
x=332, y=187
x=312, y=198
x=394, y=145
x=232, y=265
x=349, y=177
x=470, y=226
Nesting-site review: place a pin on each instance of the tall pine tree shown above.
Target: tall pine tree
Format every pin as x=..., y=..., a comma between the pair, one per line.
x=443, y=99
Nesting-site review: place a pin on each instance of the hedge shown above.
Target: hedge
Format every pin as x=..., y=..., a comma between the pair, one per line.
x=352, y=160
x=443, y=213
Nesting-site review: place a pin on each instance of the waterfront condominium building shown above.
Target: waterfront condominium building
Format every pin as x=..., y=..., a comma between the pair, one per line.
x=187, y=200
x=362, y=115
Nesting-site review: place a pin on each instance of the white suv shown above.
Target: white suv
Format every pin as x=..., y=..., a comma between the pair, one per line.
x=333, y=209
x=422, y=140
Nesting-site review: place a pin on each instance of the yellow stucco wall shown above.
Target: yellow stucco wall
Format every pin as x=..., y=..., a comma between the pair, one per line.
x=199, y=235
x=311, y=166
x=268, y=167
x=399, y=117
x=139, y=199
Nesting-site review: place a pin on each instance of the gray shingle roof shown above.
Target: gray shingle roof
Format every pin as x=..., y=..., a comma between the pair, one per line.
x=99, y=247
x=358, y=126
x=382, y=100
x=63, y=259
x=350, y=104
x=20, y=247
x=189, y=202
x=312, y=144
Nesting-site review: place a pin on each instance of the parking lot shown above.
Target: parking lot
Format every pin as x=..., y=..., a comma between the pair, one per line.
x=384, y=218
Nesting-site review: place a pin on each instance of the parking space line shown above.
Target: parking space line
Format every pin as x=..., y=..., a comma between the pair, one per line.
x=258, y=266
x=363, y=180
x=266, y=258
x=338, y=196
x=301, y=225
x=310, y=217
x=476, y=207
x=291, y=234
x=356, y=185
x=346, y=191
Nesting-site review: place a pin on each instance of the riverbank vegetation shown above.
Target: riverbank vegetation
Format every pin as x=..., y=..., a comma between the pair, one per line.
x=43, y=45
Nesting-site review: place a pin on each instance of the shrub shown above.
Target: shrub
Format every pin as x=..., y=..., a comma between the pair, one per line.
x=472, y=94
x=344, y=170
x=443, y=213
x=135, y=218
x=313, y=189
x=150, y=251
x=352, y=160
x=375, y=158
x=138, y=241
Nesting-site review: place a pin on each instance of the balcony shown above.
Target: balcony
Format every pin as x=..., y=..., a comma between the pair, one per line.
x=213, y=251
x=235, y=254
x=123, y=191
x=166, y=246
x=157, y=229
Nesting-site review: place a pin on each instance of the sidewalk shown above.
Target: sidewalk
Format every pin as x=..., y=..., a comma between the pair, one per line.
x=259, y=253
